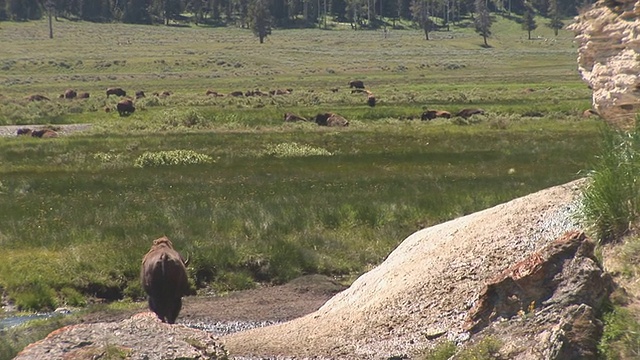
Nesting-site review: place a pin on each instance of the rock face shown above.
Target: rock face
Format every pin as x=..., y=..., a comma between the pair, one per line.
x=609, y=49
x=555, y=293
x=455, y=281
x=142, y=336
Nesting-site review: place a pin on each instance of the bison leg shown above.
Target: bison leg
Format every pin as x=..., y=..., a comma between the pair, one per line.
x=173, y=312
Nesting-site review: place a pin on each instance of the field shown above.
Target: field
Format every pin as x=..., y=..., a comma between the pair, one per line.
x=250, y=198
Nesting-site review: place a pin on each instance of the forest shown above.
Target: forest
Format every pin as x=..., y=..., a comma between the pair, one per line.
x=361, y=14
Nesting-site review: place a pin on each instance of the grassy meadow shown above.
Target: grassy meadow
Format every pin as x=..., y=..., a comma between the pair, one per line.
x=248, y=197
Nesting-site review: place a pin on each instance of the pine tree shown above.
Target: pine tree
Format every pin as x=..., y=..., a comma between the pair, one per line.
x=420, y=12
x=528, y=21
x=483, y=20
x=260, y=19
x=554, y=14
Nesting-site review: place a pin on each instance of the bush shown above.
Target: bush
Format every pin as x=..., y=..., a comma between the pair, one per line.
x=35, y=296
x=621, y=335
x=294, y=149
x=172, y=157
x=612, y=197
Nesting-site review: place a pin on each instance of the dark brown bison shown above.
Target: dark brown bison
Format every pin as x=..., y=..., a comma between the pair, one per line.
x=37, y=97
x=236, y=93
x=356, y=84
x=466, y=113
x=290, y=117
x=24, y=131
x=140, y=94
x=432, y=114
x=116, y=91
x=164, y=279
x=44, y=133
x=83, y=95
x=70, y=94
x=125, y=107
x=331, y=119
x=371, y=100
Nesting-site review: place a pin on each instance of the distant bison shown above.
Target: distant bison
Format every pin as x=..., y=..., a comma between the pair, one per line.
x=125, y=107
x=432, y=114
x=356, y=84
x=83, y=95
x=37, y=97
x=24, y=131
x=371, y=100
x=116, y=91
x=331, y=119
x=140, y=94
x=214, y=93
x=466, y=113
x=290, y=117
x=70, y=94
x=164, y=278
x=44, y=133
x=236, y=93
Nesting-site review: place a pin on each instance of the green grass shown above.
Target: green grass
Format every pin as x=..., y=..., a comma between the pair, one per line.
x=251, y=198
x=612, y=198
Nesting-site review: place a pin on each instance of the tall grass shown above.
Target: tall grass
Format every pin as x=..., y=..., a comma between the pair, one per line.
x=78, y=208
x=612, y=198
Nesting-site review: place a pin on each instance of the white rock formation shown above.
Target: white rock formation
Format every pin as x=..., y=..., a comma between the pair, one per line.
x=608, y=36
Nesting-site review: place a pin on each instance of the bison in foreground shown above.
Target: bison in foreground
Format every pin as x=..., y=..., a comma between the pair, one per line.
x=116, y=91
x=164, y=279
x=125, y=107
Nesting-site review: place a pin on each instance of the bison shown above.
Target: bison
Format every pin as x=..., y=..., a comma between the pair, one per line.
x=467, y=113
x=125, y=107
x=214, y=93
x=432, y=114
x=331, y=119
x=24, y=131
x=164, y=279
x=83, y=95
x=44, y=133
x=116, y=91
x=37, y=97
x=70, y=94
x=358, y=84
x=290, y=117
x=371, y=100
x=140, y=94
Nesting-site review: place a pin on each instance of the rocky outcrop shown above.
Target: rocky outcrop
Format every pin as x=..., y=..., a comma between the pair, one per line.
x=547, y=303
x=425, y=290
x=609, y=48
x=142, y=336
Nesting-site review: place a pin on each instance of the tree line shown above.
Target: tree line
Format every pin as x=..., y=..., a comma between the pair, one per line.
x=428, y=14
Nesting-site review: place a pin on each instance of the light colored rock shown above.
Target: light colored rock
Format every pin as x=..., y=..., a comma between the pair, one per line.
x=609, y=58
x=429, y=282
x=140, y=337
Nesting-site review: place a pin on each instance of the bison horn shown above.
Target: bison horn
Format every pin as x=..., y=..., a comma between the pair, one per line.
x=186, y=262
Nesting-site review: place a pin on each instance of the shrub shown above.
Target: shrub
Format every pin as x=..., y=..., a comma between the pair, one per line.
x=621, y=335
x=294, y=149
x=612, y=197
x=35, y=296
x=172, y=157
x=189, y=118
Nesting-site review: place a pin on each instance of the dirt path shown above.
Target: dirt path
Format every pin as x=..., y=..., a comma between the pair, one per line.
x=265, y=304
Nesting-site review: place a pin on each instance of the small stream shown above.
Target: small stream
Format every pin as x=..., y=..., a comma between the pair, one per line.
x=9, y=320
